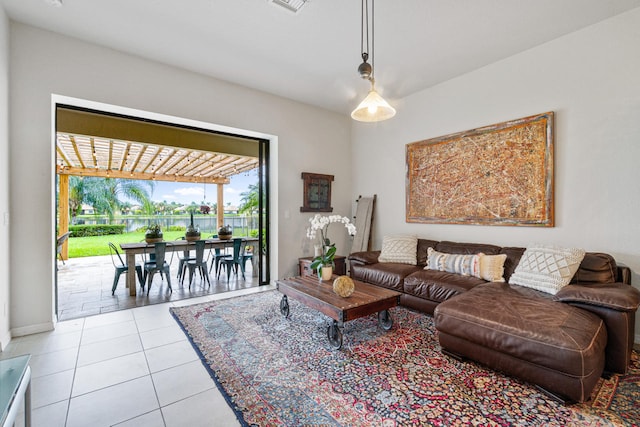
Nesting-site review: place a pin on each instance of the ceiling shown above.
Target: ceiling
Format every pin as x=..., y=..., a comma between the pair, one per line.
x=95, y=144
x=92, y=156
x=312, y=56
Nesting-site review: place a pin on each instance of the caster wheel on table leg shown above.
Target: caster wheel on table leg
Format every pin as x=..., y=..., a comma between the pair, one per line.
x=284, y=306
x=335, y=336
x=384, y=320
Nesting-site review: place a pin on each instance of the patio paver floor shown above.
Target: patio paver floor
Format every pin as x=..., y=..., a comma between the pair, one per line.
x=84, y=287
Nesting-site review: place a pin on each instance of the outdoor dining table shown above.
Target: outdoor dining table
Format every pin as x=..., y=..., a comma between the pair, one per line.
x=133, y=249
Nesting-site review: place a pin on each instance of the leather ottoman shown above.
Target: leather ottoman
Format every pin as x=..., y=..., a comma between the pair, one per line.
x=524, y=333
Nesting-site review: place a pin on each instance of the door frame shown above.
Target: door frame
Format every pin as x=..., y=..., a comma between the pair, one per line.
x=267, y=173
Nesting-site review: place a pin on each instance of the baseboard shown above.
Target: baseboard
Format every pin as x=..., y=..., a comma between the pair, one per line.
x=4, y=341
x=32, y=329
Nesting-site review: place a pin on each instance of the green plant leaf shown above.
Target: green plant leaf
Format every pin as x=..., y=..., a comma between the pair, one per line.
x=331, y=252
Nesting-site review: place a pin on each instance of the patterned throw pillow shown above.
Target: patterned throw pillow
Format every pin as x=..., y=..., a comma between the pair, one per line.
x=547, y=268
x=466, y=265
x=492, y=267
x=400, y=249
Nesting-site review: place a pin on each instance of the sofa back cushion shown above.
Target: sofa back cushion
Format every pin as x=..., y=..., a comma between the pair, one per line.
x=423, y=247
x=513, y=258
x=467, y=248
x=595, y=268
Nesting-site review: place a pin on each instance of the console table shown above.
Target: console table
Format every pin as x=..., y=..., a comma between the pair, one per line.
x=15, y=386
x=339, y=262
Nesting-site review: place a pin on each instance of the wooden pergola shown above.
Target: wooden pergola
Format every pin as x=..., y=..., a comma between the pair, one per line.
x=82, y=155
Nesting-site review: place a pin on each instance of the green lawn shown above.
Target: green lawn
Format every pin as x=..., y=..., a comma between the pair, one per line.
x=99, y=245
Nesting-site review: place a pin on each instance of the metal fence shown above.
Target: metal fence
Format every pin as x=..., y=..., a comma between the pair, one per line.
x=241, y=224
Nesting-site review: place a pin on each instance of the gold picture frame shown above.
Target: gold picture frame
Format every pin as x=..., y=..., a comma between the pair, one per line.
x=496, y=175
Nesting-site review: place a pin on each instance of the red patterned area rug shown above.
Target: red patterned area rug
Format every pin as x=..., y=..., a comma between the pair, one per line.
x=276, y=371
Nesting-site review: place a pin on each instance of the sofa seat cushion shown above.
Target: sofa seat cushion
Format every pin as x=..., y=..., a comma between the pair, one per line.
x=386, y=274
x=527, y=325
x=437, y=285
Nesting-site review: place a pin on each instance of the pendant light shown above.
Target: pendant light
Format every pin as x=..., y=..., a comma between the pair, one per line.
x=373, y=108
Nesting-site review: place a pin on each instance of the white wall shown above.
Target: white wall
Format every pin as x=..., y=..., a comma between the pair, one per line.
x=44, y=63
x=591, y=79
x=4, y=180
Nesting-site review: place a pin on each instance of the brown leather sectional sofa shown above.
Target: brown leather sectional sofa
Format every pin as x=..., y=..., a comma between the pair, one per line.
x=562, y=343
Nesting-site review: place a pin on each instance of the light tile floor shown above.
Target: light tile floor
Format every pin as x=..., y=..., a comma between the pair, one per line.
x=126, y=368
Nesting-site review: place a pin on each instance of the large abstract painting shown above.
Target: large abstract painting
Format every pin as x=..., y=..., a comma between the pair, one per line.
x=498, y=175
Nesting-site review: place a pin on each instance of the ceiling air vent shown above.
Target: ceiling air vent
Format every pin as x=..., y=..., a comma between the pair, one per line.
x=291, y=5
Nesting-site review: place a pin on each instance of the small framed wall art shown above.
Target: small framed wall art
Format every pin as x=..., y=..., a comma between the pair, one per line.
x=317, y=192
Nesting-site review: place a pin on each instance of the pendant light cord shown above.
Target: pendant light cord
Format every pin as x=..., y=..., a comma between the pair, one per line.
x=364, y=34
x=373, y=39
x=364, y=28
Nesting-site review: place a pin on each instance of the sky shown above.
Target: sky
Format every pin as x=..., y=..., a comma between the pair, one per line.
x=186, y=192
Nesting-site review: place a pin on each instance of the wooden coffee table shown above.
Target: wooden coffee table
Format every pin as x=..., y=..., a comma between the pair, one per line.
x=318, y=294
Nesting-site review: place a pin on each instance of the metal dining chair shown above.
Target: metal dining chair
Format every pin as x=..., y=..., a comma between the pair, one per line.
x=59, y=242
x=121, y=267
x=246, y=256
x=182, y=264
x=232, y=262
x=215, y=255
x=199, y=263
x=158, y=265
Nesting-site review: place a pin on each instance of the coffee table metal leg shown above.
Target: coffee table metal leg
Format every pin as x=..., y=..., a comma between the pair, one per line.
x=284, y=306
x=334, y=334
x=384, y=320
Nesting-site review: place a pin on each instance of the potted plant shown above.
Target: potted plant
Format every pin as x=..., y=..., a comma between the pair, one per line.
x=323, y=263
x=326, y=251
x=225, y=232
x=153, y=233
x=193, y=232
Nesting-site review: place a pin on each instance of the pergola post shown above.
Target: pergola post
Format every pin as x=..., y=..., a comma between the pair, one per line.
x=63, y=213
x=220, y=213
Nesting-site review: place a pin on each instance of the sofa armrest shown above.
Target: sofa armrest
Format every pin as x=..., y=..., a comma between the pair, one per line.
x=363, y=258
x=624, y=274
x=616, y=296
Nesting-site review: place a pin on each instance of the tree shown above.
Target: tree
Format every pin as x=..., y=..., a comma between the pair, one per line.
x=125, y=208
x=249, y=200
x=104, y=194
x=162, y=207
x=76, y=196
x=193, y=208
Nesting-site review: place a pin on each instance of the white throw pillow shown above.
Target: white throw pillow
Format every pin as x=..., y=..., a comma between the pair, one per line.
x=492, y=267
x=547, y=268
x=400, y=249
x=464, y=264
